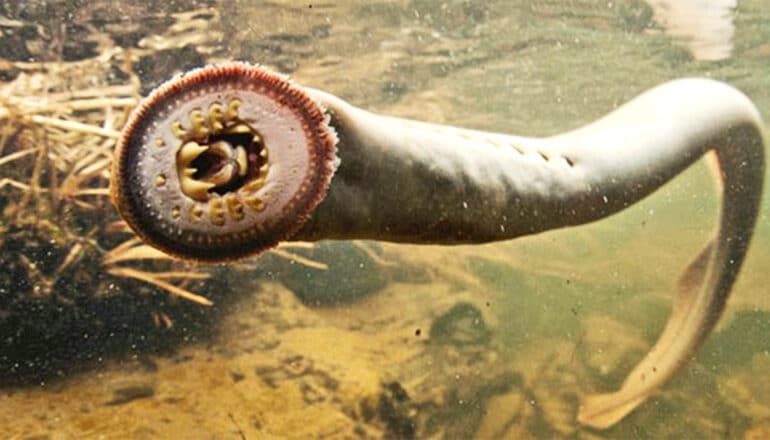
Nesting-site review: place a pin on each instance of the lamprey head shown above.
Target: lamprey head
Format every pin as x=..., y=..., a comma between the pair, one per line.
x=222, y=162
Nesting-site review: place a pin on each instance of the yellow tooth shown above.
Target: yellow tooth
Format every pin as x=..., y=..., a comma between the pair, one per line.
x=195, y=189
x=189, y=152
x=234, y=206
x=198, y=124
x=216, y=117
x=263, y=170
x=254, y=203
x=196, y=212
x=223, y=176
x=217, y=211
x=242, y=160
x=160, y=180
x=239, y=129
x=263, y=153
x=223, y=148
x=232, y=109
x=178, y=130
x=255, y=185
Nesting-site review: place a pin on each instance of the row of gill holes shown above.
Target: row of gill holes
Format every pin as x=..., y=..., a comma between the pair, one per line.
x=570, y=162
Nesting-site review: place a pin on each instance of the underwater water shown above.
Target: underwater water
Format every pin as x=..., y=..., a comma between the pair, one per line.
x=101, y=338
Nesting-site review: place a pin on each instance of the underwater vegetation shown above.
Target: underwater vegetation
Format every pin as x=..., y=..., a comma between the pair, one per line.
x=75, y=283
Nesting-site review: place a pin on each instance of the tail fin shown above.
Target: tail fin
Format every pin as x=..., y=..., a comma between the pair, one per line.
x=727, y=124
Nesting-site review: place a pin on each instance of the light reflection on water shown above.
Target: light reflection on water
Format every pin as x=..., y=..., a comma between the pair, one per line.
x=704, y=27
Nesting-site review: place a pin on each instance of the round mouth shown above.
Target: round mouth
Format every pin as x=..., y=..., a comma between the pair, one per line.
x=220, y=154
x=222, y=162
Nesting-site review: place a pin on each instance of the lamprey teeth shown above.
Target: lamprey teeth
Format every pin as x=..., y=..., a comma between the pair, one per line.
x=232, y=167
x=216, y=118
x=254, y=185
x=223, y=176
x=242, y=160
x=217, y=211
x=239, y=128
x=198, y=125
x=193, y=188
x=178, y=130
x=196, y=212
x=222, y=148
x=232, y=109
x=189, y=152
x=254, y=203
x=234, y=206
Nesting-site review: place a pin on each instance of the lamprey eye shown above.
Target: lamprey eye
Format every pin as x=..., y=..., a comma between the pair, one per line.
x=222, y=162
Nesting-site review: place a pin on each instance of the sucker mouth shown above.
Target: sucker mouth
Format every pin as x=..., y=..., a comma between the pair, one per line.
x=219, y=156
x=192, y=175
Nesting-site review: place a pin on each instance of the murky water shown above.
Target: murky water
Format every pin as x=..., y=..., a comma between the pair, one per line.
x=495, y=341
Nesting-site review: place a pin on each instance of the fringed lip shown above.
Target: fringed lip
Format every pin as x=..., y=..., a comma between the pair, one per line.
x=222, y=162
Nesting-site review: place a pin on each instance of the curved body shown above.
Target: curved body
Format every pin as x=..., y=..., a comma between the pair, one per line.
x=407, y=181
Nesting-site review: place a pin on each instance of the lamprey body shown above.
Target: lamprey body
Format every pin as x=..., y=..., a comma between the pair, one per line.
x=228, y=160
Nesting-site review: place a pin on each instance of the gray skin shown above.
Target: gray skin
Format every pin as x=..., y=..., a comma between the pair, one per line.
x=406, y=181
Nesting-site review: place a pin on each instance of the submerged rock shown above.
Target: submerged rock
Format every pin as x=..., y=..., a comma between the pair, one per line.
x=351, y=274
x=462, y=325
